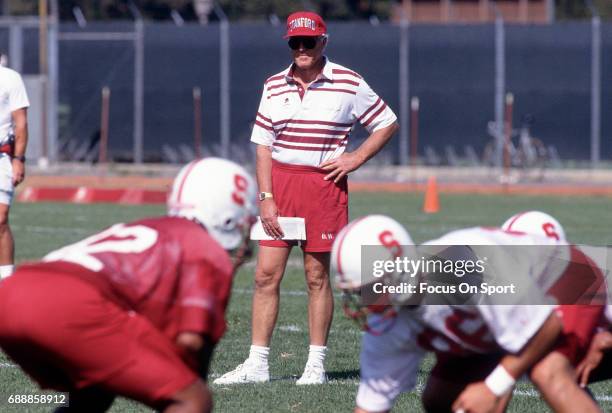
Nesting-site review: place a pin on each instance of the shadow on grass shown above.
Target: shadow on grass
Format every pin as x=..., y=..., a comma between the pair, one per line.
x=331, y=375
x=343, y=375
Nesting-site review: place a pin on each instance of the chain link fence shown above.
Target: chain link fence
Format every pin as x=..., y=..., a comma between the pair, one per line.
x=451, y=68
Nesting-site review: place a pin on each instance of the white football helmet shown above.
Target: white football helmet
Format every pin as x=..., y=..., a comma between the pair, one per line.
x=536, y=223
x=219, y=194
x=371, y=230
x=368, y=230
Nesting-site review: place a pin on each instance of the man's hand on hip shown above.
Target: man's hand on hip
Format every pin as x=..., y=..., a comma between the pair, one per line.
x=18, y=171
x=341, y=166
x=269, y=218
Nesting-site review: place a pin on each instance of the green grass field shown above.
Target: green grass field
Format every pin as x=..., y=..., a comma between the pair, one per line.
x=40, y=228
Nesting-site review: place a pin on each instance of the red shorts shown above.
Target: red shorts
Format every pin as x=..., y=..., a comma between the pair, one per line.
x=301, y=191
x=579, y=323
x=66, y=335
x=581, y=291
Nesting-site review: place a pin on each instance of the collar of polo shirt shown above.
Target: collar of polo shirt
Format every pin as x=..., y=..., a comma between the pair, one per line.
x=325, y=73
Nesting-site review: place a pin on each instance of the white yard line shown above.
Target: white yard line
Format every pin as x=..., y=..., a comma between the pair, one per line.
x=249, y=291
x=533, y=393
x=292, y=328
x=296, y=293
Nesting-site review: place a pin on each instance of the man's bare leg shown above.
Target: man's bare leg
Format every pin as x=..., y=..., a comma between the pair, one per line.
x=555, y=379
x=320, y=313
x=271, y=263
x=320, y=296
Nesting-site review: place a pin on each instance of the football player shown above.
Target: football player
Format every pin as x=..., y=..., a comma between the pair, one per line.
x=597, y=364
x=481, y=349
x=136, y=310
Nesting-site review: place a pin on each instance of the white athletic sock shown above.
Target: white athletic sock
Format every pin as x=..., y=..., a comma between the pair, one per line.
x=6, y=270
x=259, y=354
x=316, y=355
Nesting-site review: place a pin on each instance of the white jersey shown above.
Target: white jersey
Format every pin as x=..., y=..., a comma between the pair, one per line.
x=13, y=96
x=309, y=127
x=482, y=329
x=543, y=262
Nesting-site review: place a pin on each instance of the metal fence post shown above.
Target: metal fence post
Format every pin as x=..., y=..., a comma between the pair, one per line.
x=404, y=91
x=500, y=84
x=15, y=54
x=53, y=96
x=138, y=90
x=595, y=90
x=224, y=87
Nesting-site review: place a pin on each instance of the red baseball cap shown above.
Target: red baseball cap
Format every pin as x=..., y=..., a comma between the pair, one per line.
x=305, y=23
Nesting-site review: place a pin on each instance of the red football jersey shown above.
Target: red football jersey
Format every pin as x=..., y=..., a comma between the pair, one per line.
x=170, y=270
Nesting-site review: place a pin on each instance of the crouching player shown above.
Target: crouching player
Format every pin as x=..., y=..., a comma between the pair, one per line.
x=581, y=321
x=136, y=309
x=481, y=350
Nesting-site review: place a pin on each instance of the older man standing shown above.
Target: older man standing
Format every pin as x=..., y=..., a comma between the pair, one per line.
x=301, y=130
x=13, y=140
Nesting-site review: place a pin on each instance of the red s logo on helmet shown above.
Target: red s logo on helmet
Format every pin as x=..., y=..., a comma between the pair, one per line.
x=549, y=230
x=240, y=187
x=387, y=240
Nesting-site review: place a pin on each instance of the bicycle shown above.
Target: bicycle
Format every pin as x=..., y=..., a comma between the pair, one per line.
x=528, y=158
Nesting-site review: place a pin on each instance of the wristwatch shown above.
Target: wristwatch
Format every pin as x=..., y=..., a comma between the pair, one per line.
x=265, y=195
x=21, y=158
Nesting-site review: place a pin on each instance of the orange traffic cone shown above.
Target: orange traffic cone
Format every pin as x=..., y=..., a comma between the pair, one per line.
x=432, y=203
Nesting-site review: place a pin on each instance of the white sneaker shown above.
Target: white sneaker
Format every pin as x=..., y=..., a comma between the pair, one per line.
x=313, y=374
x=247, y=372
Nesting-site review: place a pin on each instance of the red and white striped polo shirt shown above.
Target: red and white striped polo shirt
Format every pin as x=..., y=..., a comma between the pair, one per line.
x=313, y=126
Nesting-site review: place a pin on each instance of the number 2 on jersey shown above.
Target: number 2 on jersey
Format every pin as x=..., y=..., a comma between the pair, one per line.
x=118, y=239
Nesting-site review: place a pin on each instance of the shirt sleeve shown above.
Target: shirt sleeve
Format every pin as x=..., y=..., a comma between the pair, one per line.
x=514, y=325
x=370, y=110
x=18, y=97
x=202, y=298
x=263, y=132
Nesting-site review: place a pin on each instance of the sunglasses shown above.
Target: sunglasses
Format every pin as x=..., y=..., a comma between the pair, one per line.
x=309, y=42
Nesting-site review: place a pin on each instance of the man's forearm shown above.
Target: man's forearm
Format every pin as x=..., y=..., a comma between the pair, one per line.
x=376, y=141
x=263, y=168
x=20, y=122
x=535, y=349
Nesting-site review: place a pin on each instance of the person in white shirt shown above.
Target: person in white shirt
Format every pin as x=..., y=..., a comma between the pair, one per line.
x=14, y=105
x=302, y=128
